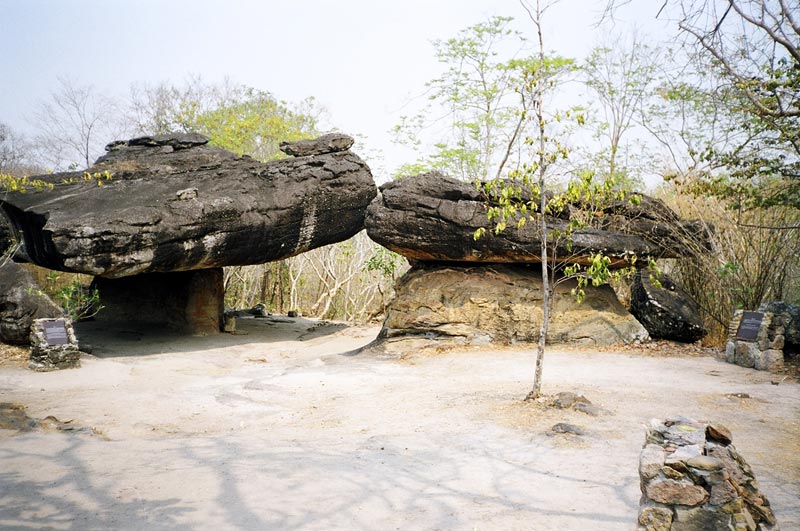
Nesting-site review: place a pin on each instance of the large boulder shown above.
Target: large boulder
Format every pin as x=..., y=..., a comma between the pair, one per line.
x=792, y=328
x=21, y=301
x=175, y=203
x=449, y=305
x=433, y=217
x=665, y=309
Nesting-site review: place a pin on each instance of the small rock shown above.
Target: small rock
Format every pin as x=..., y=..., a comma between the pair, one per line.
x=259, y=310
x=704, y=462
x=566, y=400
x=186, y=194
x=655, y=518
x=684, y=453
x=719, y=433
x=329, y=143
x=563, y=427
x=588, y=408
x=722, y=493
x=686, y=434
x=671, y=492
x=651, y=459
x=671, y=473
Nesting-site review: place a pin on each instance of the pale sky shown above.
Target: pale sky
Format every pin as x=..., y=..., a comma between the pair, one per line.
x=361, y=59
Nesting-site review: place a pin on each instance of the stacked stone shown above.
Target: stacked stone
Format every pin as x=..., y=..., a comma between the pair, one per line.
x=47, y=357
x=763, y=354
x=693, y=479
x=791, y=325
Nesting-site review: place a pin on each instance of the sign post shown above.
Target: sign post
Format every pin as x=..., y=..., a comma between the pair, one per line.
x=53, y=345
x=749, y=326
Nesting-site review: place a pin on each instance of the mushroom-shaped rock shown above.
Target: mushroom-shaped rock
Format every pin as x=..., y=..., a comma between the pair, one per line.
x=433, y=217
x=175, y=203
x=665, y=309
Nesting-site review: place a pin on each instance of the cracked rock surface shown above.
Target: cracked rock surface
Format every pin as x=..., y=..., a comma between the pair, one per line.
x=176, y=203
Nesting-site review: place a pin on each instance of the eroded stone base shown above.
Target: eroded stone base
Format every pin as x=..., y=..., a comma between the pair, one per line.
x=187, y=301
x=497, y=304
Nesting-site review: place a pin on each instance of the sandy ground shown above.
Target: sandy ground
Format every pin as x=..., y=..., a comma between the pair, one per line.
x=275, y=428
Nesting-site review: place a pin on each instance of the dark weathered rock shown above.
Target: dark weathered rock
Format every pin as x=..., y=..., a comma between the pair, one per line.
x=448, y=305
x=791, y=328
x=667, y=312
x=434, y=217
x=566, y=428
x=329, y=143
x=189, y=302
x=21, y=301
x=175, y=203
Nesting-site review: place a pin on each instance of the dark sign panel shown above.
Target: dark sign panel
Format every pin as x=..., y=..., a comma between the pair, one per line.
x=750, y=325
x=55, y=332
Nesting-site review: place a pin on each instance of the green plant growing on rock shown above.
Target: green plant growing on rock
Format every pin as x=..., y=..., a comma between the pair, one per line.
x=78, y=301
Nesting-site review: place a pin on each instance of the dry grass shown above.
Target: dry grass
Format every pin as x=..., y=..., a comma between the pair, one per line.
x=13, y=356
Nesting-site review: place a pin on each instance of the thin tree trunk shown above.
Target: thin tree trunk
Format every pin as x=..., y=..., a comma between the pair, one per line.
x=538, y=103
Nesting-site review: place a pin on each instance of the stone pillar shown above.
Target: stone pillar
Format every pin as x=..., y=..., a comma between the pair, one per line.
x=761, y=350
x=693, y=479
x=189, y=302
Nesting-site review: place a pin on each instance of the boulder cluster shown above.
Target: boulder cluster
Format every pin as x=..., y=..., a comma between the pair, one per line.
x=156, y=218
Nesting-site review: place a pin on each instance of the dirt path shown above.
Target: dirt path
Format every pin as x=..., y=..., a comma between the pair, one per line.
x=276, y=429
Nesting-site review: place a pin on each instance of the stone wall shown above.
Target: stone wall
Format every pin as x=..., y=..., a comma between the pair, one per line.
x=693, y=479
x=765, y=352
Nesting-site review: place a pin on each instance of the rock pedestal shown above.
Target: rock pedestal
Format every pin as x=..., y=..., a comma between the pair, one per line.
x=163, y=214
x=189, y=302
x=756, y=340
x=451, y=305
x=693, y=479
x=53, y=345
